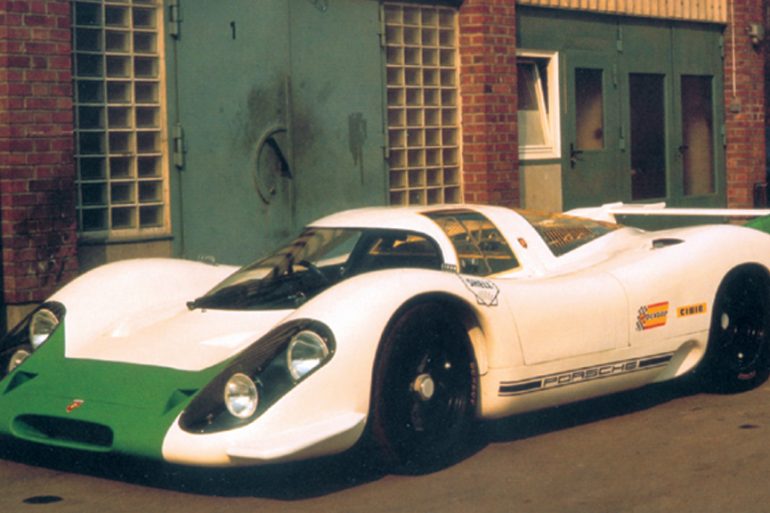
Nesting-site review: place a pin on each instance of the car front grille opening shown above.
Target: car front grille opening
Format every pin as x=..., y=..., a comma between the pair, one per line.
x=63, y=432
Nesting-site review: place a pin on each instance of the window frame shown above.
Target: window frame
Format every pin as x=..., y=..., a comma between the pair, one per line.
x=550, y=106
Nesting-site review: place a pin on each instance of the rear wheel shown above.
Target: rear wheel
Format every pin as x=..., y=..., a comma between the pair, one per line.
x=738, y=353
x=424, y=391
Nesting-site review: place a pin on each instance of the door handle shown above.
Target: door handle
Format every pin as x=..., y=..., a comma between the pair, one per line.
x=574, y=155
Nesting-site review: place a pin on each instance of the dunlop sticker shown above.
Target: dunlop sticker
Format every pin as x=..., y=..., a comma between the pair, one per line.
x=652, y=316
x=688, y=310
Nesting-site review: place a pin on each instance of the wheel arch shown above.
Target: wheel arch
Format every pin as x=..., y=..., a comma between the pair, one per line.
x=752, y=268
x=460, y=310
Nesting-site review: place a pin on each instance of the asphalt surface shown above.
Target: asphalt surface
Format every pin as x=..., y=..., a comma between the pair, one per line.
x=663, y=449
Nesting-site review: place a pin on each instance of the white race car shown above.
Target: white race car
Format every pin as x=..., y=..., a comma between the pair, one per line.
x=397, y=326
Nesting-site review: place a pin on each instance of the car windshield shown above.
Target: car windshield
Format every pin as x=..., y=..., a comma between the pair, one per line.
x=317, y=259
x=563, y=233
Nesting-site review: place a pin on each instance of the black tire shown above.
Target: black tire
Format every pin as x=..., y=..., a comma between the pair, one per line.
x=738, y=353
x=424, y=390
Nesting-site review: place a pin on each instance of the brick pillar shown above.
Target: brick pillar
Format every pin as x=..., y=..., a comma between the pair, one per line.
x=37, y=172
x=488, y=91
x=744, y=104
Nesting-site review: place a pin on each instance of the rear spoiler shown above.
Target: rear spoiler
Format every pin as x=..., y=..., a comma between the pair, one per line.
x=608, y=211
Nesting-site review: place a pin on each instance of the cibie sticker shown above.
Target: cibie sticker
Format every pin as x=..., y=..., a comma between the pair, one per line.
x=652, y=316
x=485, y=291
x=688, y=310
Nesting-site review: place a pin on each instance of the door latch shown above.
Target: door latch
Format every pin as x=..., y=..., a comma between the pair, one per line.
x=574, y=155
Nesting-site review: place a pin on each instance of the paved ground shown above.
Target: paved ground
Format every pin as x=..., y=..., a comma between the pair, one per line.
x=663, y=449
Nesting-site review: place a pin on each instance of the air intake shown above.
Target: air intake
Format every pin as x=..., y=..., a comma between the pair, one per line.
x=71, y=433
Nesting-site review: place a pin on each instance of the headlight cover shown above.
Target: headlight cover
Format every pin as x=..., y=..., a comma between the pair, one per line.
x=27, y=336
x=241, y=396
x=42, y=323
x=307, y=350
x=16, y=359
x=274, y=365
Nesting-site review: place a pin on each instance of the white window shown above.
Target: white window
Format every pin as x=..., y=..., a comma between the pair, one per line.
x=538, y=111
x=423, y=119
x=119, y=118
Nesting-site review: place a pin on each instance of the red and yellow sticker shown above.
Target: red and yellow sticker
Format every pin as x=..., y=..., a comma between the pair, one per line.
x=652, y=316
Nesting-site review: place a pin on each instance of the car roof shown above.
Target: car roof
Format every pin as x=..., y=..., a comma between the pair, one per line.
x=396, y=217
x=532, y=255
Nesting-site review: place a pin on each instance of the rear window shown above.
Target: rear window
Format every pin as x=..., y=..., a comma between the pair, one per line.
x=563, y=233
x=481, y=248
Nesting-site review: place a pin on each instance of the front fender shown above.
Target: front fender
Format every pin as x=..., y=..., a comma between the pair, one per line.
x=121, y=290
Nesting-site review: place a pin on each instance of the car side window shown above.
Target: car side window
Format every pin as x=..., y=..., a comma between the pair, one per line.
x=389, y=250
x=481, y=248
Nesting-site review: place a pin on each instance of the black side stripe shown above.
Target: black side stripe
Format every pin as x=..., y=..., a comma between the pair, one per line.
x=583, y=375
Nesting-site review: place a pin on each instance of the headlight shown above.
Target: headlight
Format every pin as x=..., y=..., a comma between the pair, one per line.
x=307, y=350
x=241, y=396
x=42, y=324
x=17, y=358
x=259, y=377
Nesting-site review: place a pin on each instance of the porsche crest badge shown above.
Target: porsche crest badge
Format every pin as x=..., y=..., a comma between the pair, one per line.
x=74, y=405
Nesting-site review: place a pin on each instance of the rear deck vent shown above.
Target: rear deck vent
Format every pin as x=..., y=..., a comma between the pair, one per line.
x=664, y=243
x=63, y=432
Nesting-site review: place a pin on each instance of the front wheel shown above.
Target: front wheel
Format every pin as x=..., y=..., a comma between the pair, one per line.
x=424, y=390
x=738, y=353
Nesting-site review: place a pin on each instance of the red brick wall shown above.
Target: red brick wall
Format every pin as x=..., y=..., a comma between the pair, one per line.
x=744, y=105
x=488, y=93
x=37, y=209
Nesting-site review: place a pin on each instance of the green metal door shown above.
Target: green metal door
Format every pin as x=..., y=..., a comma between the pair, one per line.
x=698, y=119
x=276, y=109
x=645, y=85
x=593, y=142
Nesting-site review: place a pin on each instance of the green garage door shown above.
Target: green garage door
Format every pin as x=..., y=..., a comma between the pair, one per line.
x=276, y=111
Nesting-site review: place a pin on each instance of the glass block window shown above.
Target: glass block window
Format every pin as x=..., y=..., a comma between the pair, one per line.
x=423, y=114
x=119, y=112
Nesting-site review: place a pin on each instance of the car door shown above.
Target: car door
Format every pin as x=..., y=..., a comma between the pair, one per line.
x=568, y=316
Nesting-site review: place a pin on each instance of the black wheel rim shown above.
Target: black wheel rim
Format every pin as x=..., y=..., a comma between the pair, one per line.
x=743, y=329
x=429, y=391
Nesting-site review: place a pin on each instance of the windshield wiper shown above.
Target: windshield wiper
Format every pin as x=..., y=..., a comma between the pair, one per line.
x=285, y=291
x=224, y=296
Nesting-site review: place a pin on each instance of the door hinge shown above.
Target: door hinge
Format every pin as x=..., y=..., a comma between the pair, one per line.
x=178, y=146
x=383, y=39
x=615, y=76
x=619, y=40
x=174, y=18
x=722, y=47
x=723, y=133
x=622, y=139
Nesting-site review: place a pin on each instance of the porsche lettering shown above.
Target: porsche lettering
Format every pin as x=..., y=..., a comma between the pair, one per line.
x=583, y=375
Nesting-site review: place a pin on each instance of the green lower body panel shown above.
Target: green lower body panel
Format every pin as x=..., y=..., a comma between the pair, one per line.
x=94, y=405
